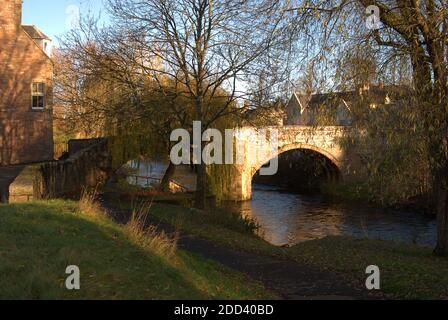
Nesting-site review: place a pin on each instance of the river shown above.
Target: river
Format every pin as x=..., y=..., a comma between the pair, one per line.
x=287, y=218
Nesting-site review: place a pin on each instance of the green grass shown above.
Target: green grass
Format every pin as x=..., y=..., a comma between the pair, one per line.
x=346, y=191
x=40, y=239
x=407, y=271
x=224, y=227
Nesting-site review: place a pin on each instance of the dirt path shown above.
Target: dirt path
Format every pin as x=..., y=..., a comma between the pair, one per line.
x=289, y=279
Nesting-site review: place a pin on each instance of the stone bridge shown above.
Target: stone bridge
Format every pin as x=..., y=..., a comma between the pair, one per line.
x=90, y=161
x=323, y=140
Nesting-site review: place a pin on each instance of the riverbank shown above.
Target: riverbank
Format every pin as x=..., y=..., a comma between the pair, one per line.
x=260, y=261
x=357, y=193
x=216, y=256
x=407, y=271
x=40, y=239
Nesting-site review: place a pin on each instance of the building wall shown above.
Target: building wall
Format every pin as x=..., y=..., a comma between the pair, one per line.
x=293, y=112
x=304, y=115
x=297, y=116
x=26, y=135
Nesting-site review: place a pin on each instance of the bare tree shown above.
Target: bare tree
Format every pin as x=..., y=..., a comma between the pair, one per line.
x=211, y=47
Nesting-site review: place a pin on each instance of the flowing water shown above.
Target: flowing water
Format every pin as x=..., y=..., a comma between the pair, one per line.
x=287, y=218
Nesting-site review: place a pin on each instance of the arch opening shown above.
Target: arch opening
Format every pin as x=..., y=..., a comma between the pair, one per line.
x=300, y=170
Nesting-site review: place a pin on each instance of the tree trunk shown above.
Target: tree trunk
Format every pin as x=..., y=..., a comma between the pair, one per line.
x=436, y=129
x=169, y=173
x=201, y=187
x=441, y=182
x=442, y=223
x=201, y=175
x=201, y=181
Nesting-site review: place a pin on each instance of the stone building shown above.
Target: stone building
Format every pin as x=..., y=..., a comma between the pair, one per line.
x=26, y=85
x=334, y=108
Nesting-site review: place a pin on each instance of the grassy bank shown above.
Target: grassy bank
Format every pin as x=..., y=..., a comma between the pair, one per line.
x=40, y=239
x=407, y=271
x=218, y=225
x=358, y=193
x=346, y=191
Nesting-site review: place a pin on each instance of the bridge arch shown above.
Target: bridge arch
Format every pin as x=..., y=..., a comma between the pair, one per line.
x=297, y=146
x=322, y=140
x=248, y=176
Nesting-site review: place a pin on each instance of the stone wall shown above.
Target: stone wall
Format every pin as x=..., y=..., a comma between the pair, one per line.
x=7, y=176
x=67, y=178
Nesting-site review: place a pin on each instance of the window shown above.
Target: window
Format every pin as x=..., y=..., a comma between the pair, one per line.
x=38, y=95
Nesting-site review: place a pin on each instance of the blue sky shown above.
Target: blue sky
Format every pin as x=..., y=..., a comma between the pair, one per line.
x=53, y=17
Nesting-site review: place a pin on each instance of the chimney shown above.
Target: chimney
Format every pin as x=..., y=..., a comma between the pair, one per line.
x=364, y=88
x=18, y=12
x=11, y=15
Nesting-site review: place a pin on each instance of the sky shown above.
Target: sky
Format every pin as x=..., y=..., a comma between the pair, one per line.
x=55, y=17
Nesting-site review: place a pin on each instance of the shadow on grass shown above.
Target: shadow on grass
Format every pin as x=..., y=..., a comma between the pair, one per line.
x=407, y=271
x=39, y=240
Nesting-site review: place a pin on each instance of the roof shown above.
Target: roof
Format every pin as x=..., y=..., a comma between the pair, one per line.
x=35, y=33
x=374, y=94
x=329, y=100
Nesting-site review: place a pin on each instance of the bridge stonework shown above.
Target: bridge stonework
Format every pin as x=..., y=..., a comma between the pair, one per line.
x=323, y=140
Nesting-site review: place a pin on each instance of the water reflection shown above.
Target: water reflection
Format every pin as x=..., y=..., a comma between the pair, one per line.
x=150, y=173
x=287, y=219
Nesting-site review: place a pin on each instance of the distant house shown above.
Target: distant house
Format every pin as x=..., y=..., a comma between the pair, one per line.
x=26, y=85
x=266, y=116
x=335, y=108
